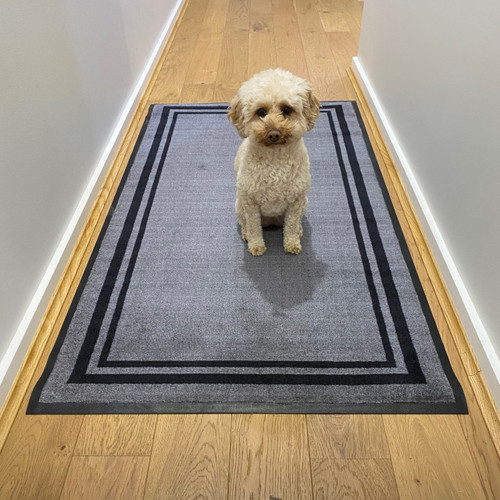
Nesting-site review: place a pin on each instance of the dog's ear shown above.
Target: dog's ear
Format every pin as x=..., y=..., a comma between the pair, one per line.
x=235, y=114
x=311, y=109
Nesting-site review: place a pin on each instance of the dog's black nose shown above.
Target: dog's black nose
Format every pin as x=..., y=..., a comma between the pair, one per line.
x=274, y=135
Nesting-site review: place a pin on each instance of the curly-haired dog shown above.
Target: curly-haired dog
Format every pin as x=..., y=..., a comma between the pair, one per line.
x=271, y=112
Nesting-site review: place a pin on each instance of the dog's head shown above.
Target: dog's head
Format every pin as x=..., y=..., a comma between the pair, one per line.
x=274, y=107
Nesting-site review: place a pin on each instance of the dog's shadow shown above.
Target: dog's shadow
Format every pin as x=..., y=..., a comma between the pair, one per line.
x=285, y=280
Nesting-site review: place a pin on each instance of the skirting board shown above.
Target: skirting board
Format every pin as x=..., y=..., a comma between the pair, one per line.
x=18, y=347
x=474, y=328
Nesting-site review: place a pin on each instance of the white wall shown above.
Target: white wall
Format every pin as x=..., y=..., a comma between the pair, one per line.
x=434, y=68
x=67, y=71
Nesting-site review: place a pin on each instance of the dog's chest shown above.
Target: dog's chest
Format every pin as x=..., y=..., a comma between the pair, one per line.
x=278, y=186
x=273, y=178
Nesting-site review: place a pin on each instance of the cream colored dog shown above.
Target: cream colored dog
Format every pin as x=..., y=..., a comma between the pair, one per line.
x=272, y=111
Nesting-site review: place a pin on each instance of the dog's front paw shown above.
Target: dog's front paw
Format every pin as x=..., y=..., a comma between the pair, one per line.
x=256, y=248
x=293, y=246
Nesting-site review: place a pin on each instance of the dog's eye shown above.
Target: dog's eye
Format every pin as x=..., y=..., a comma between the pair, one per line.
x=261, y=112
x=287, y=110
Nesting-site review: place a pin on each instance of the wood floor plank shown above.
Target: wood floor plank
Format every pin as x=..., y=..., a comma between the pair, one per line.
x=344, y=47
x=481, y=441
x=201, y=75
x=95, y=478
x=202, y=69
x=233, y=64
x=269, y=458
x=262, y=49
x=347, y=436
x=323, y=71
x=289, y=49
x=36, y=456
x=190, y=457
x=355, y=10
x=350, y=11
x=197, y=92
x=431, y=458
x=334, y=22
x=353, y=479
x=485, y=400
x=170, y=80
x=116, y=435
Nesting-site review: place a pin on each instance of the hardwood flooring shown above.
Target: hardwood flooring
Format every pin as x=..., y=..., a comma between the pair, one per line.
x=216, y=45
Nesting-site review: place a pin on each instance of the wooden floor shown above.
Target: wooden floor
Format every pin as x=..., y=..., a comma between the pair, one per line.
x=218, y=44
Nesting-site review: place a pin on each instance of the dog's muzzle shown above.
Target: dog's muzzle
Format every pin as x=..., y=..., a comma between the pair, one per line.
x=274, y=135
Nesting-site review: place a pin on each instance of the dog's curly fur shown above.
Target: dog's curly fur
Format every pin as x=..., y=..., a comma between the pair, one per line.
x=271, y=112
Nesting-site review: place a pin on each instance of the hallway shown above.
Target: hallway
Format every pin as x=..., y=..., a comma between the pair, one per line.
x=215, y=46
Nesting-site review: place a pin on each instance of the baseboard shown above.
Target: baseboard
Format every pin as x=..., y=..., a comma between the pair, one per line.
x=18, y=347
x=481, y=344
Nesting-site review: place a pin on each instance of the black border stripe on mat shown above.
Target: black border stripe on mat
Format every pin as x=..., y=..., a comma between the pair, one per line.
x=102, y=303
x=135, y=252
x=80, y=374
x=361, y=244
x=398, y=317
x=104, y=362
